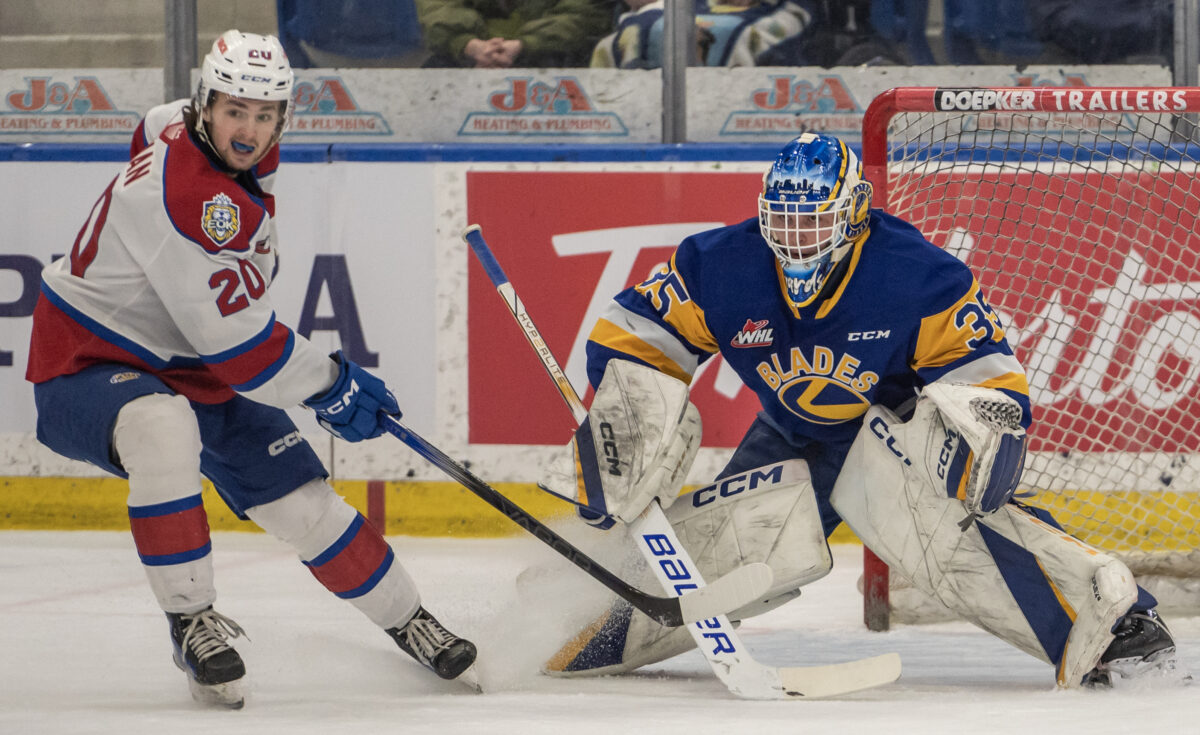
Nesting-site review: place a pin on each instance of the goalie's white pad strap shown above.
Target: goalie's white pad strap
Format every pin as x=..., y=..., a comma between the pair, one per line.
x=637, y=444
x=888, y=495
x=768, y=514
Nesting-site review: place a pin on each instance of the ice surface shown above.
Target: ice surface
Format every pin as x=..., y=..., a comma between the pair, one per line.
x=84, y=649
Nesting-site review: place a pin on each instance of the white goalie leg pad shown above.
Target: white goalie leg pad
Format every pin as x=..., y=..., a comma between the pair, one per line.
x=637, y=444
x=312, y=519
x=768, y=514
x=157, y=441
x=897, y=505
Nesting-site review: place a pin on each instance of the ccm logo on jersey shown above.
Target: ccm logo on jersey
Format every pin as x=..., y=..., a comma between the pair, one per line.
x=865, y=336
x=279, y=446
x=754, y=334
x=611, y=456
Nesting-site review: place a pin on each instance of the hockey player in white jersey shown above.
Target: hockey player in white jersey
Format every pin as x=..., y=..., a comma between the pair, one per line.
x=842, y=319
x=157, y=355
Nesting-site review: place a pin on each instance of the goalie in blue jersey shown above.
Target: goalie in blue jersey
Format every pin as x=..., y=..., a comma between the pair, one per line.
x=890, y=400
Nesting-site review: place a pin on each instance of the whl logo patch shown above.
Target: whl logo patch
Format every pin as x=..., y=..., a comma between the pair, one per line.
x=754, y=334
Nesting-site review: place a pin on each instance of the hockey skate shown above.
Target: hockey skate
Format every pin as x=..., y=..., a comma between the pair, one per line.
x=213, y=668
x=436, y=648
x=1143, y=647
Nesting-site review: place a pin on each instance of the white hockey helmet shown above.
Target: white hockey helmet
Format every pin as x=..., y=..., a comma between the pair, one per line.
x=249, y=66
x=814, y=205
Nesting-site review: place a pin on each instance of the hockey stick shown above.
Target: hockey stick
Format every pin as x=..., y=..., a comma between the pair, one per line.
x=730, y=592
x=656, y=540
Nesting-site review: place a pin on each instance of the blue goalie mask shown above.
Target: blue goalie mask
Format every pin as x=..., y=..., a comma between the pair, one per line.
x=814, y=205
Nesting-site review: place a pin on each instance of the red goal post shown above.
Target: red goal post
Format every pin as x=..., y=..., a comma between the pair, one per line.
x=1077, y=208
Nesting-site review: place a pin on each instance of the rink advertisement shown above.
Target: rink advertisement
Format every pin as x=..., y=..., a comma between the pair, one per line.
x=524, y=106
x=373, y=263
x=536, y=225
x=65, y=106
x=1123, y=344
x=356, y=273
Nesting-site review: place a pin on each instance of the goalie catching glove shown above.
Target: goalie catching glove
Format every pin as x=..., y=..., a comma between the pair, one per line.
x=980, y=451
x=635, y=446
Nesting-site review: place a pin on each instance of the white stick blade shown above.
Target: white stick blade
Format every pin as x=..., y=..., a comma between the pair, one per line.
x=815, y=682
x=739, y=587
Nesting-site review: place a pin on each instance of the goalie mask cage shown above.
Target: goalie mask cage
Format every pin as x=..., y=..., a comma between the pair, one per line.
x=1077, y=210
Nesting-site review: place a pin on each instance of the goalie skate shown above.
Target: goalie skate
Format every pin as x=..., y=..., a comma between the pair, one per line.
x=1143, y=648
x=214, y=669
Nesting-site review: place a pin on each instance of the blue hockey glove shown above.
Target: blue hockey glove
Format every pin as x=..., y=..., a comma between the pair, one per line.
x=350, y=408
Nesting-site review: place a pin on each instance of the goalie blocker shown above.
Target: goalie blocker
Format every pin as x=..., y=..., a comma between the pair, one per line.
x=1012, y=573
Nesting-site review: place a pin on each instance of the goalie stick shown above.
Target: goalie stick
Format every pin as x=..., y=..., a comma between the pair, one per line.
x=730, y=592
x=656, y=540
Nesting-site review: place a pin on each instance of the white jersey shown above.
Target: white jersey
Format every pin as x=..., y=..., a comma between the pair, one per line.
x=170, y=274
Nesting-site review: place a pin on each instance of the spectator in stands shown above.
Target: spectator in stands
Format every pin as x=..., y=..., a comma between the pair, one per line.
x=840, y=34
x=733, y=33
x=350, y=33
x=497, y=34
x=1106, y=31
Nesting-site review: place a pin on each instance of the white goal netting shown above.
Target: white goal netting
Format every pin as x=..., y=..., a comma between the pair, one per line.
x=1078, y=211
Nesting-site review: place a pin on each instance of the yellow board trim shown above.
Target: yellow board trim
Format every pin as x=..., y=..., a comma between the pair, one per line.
x=1121, y=521
x=410, y=508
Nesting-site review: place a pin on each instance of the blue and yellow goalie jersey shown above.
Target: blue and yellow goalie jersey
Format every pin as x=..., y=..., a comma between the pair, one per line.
x=897, y=314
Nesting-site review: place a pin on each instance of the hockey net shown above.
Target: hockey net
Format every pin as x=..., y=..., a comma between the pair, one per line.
x=1077, y=209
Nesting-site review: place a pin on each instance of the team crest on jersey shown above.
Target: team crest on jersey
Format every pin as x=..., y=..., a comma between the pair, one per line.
x=221, y=219
x=754, y=334
x=124, y=377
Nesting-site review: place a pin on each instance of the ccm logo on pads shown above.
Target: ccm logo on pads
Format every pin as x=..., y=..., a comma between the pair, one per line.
x=611, y=455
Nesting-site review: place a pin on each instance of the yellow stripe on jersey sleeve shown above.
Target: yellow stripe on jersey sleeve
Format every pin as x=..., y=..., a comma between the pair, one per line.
x=1014, y=382
x=688, y=320
x=609, y=335
x=955, y=332
x=997, y=370
x=668, y=293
